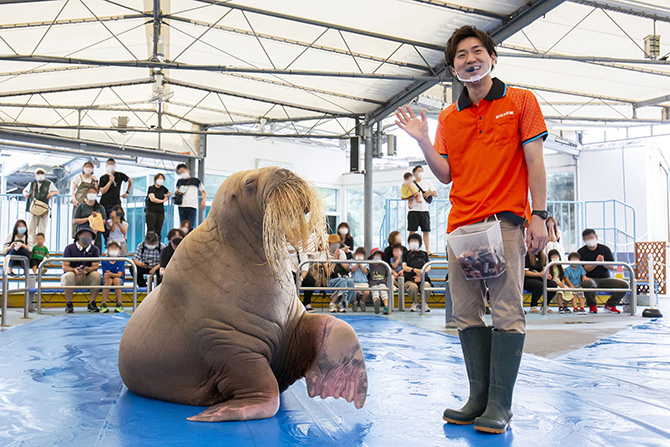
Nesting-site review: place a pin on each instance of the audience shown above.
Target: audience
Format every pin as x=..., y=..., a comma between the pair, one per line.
x=554, y=242
x=38, y=253
x=415, y=259
x=81, y=273
x=359, y=273
x=418, y=215
x=175, y=236
x=17, y=244
x=186, y=195
x=338, y=276
x=377, y=278
x=558, y=276
x=38, y=193
x=575, y=275
x=79, y=187
x=409, y=190
x=396, y=262
x=308, y=275
x=394, y=239
x=532, y=281
x=110, y=188
x=147, y=257
x=186, y=227
x=117, y=228
x=599, y=275
x=90, y=207
x=157, y=195
x=347, y=239
x=113, y=273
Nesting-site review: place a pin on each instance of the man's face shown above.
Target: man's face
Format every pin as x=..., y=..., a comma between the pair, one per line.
x=471, y=52
x=111, y=167
x=591, y=240
x=183, y=172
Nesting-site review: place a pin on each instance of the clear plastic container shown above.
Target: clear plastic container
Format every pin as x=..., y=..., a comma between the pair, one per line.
x=479, y=249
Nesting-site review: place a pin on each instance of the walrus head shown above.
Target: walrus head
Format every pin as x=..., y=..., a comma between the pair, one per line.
x=277, y=207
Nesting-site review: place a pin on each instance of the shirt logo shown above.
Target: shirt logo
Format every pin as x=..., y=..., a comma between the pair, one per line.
x=509, y=112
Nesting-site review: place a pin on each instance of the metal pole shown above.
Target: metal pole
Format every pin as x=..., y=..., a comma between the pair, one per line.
x=39, y=287
x=4, y=292
x=545, y=305
x=26, y=293
x=134, y=270
x=367, y=186
x=401, y=293
x=389, y=284
x=202, y=149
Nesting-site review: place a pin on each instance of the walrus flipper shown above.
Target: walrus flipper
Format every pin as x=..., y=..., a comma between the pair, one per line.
x=254, y=390
x=339, y=367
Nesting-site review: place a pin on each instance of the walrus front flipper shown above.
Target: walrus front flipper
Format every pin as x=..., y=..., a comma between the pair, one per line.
x=339, y=367
x=254, y=390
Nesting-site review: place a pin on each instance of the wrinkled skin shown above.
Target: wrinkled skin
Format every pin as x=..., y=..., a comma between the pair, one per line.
x=223, y=331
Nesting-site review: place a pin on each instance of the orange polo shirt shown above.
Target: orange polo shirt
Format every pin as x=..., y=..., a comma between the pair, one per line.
x=484, y=146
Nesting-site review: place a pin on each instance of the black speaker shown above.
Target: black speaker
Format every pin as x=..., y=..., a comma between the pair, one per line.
x=354, y=154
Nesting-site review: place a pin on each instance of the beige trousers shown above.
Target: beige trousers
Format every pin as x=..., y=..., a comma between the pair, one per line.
x=506, y=291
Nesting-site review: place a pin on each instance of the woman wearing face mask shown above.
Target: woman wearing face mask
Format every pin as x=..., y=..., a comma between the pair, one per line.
x=339, y=276
x=157, y=195
x=347, y=240
x=79, y=187
x=39, y=190
x=17, y=244
x=118, y=228
x=90, y=207
x=175, y=236
x=395, y=238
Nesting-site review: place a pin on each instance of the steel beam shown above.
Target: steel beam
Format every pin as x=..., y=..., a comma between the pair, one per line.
x=73, y=21
x=652, y=101
x=464, y=9
x=530, y=54
x=74, y=88
x=519, y=19
x=85, y=147
x=335, y=26
x=213, y=68
x=638, y=9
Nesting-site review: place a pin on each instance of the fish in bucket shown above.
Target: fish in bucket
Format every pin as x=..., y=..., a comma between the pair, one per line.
x=479, y=249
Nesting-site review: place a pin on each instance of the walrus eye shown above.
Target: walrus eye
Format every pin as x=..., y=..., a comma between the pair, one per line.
x=249, y=183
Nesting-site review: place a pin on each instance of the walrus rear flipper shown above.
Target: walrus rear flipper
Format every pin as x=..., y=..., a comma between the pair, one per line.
x=339, y=367
x=255, y=393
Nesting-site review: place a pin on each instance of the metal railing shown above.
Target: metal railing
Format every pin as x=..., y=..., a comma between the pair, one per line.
x=389, y=278
x=5, y=285
x=41, y=287
x=632, y=289
x=424, y=289
x=614, y=227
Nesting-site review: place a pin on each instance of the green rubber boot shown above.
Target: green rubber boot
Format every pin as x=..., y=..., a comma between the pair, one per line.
x=476, y=345
x=506, y=351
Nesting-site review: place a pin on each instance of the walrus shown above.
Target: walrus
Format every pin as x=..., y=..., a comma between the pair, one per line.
x=226, y=329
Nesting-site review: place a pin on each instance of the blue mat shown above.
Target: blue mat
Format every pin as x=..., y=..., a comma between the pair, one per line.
x=59, y=386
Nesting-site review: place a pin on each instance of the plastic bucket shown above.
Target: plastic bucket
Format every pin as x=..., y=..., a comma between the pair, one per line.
x=479, y=249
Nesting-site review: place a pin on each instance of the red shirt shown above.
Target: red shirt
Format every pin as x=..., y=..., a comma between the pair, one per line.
x=484, y=146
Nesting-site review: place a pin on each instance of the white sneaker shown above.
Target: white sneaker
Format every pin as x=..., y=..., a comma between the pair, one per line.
x=332, y=308
x=427, y=309
x=340, y=308
x=309, y=308
x=413, y=308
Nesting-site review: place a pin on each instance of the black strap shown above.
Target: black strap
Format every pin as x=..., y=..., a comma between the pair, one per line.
x=419, y=186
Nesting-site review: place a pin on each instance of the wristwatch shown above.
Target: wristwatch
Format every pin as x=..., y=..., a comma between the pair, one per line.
x=542, y=214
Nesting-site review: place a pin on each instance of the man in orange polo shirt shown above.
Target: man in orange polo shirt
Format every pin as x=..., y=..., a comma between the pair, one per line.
x=489, y=144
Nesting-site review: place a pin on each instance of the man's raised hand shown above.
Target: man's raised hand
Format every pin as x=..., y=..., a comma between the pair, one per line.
x=416, y=128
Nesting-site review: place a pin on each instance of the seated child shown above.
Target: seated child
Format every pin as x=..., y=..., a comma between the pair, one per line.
x=39, y=252
x=359, y=273
x=113, y=273
x=377, y=279
x=558, y=275
x=409, y=189
x=574, y=276
x=396, y=263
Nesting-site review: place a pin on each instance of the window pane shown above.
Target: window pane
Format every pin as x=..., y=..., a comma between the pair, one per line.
x=329, y=196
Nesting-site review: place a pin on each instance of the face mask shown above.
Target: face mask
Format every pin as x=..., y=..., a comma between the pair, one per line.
x=414, y=245
x=418, y=175
x=160, y=182
x=474, y=78
x=591, y=243
x=113, y=253
x=91, y=196
x=110, y=168
x=334, y=247
x=176, y=241
x=88, y=171
x=85, y=240
x=21, y=230
x=184, y=175
x=377, y=258
x=40, y=177
x=359, y=257
x=554, y=260
x=149, y=246
x=344, y=230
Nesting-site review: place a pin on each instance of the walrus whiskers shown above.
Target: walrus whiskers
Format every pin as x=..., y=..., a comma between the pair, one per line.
x=295, y=215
